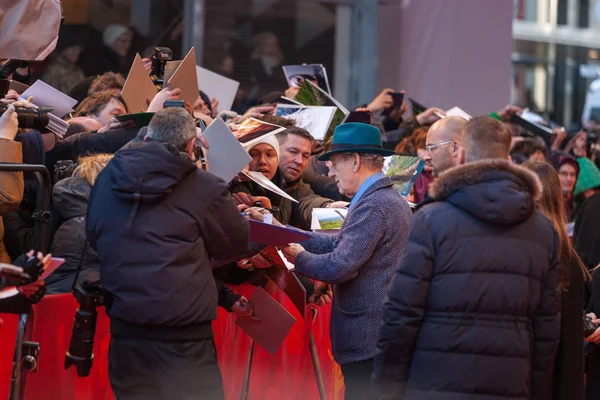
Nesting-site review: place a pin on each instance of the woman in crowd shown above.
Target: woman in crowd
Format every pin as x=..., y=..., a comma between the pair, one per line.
x=70, y=198
x=568, y=171
x=568, y=369
x=577, y=146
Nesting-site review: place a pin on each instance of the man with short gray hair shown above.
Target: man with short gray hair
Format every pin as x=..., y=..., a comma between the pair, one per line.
x=157, y=222
x=173, y=125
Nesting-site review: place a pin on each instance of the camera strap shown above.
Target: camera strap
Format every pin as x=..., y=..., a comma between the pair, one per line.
x=79, y=266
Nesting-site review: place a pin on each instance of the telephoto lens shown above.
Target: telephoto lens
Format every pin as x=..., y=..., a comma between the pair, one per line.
x=30, y=118
x=89, y=296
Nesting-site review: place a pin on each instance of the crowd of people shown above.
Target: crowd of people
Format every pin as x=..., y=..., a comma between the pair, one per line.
x=479, y=292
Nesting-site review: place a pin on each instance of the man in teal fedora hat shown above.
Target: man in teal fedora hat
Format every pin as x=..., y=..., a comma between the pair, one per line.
x=360, y=259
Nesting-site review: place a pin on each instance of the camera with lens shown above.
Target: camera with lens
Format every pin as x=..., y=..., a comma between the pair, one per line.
x=160, y=57
x=90, y=296
x=30, y=118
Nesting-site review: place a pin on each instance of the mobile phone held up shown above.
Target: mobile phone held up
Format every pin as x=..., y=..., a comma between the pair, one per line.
x=398, y=98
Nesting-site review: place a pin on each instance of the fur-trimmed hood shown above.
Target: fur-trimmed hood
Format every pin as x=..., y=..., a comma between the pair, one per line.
x=496, y=191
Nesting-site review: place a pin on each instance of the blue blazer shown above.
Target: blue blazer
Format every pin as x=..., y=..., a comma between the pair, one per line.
x=360, y=260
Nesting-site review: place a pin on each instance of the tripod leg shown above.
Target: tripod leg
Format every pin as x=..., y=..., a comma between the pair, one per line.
x=246, y=384
x=316, y=364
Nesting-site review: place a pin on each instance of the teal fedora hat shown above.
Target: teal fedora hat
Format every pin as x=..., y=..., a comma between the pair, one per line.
x=355, y=137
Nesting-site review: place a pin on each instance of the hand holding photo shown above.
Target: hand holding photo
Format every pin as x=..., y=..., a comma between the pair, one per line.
x=328, y=218
x=253, y=130
x=314, y=119
x=315, y=73
x=262, y=180
x=403, y=171
x=311, y=95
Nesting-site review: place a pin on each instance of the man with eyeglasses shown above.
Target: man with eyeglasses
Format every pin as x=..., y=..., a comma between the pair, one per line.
x=443, y=144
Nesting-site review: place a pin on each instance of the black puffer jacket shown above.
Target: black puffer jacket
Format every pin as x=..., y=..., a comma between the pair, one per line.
x=70, y=198
x=473, y=310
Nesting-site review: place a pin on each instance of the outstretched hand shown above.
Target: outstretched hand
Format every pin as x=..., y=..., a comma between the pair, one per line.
x=9, y=124
x=158, y=101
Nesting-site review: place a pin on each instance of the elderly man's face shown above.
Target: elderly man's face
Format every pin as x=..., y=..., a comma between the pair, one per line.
x=342, y=168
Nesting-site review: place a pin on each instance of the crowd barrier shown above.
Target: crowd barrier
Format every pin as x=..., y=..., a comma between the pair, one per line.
x=288, y=375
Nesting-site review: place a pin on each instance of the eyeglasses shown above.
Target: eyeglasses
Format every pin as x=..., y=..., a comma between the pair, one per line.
x=431, y=147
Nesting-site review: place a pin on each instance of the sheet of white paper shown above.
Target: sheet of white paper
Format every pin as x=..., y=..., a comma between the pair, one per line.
x=9, y=291
x=54, y=264
x=45, y=95
x=315, y=120
x=458, y=112
x=225, y=155
x=57, y=126
x=287, y=264
x=267, y=184
x=218, y=86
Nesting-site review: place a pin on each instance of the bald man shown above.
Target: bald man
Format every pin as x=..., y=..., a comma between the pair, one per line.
x=443, y=144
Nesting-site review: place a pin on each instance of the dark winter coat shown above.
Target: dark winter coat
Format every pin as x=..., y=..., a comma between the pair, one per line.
x=592, y=381
x=586, y=232
x=473, y=310
x=569, y=372
x=157, y=221
x=70, y=198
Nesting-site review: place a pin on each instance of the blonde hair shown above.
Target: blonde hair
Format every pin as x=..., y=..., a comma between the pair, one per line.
x=90, y=166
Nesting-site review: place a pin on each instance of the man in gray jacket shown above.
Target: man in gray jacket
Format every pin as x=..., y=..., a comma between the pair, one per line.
x=360, y=259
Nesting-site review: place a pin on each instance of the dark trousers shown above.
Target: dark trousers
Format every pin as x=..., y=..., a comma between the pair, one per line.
x=357, y=379
x=150, y=369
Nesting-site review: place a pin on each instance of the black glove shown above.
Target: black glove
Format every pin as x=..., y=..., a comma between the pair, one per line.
x=32, y=266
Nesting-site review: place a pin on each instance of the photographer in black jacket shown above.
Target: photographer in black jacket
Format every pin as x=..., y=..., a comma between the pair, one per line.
x=157, y=222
